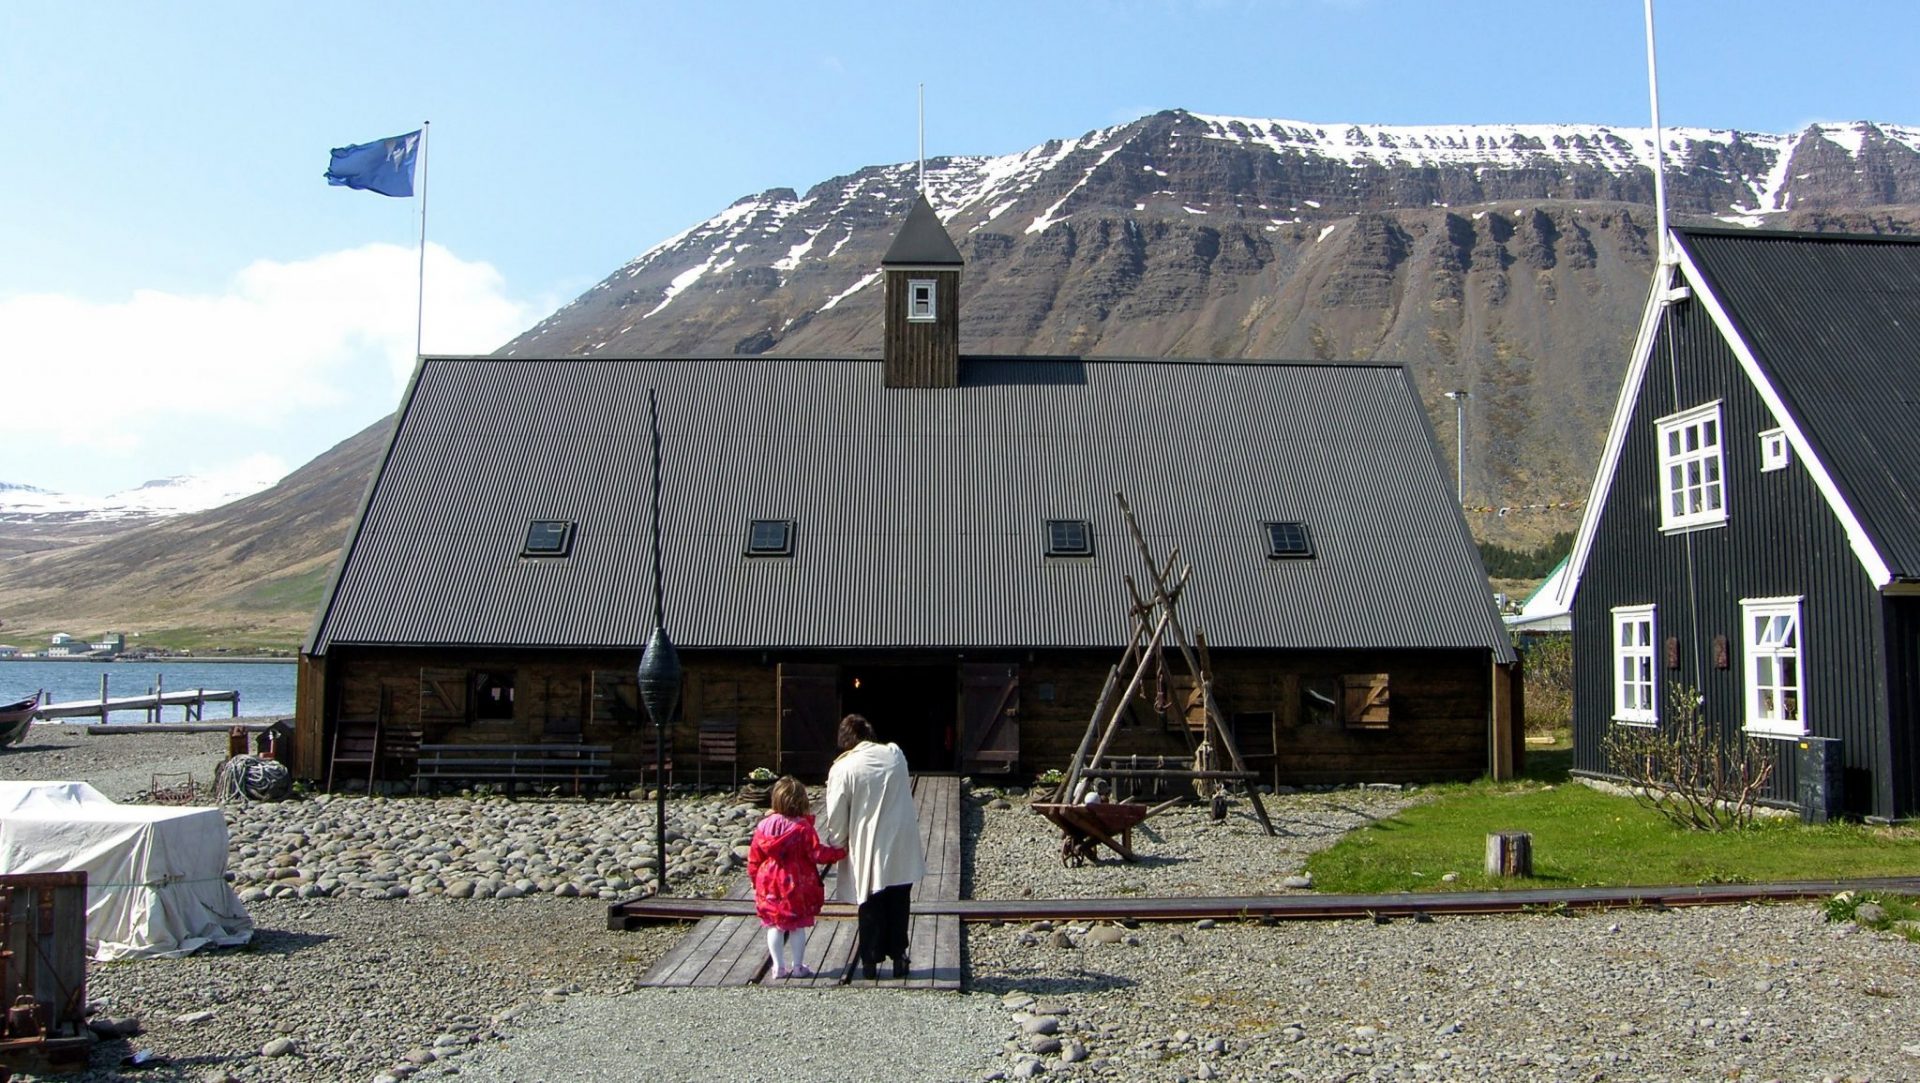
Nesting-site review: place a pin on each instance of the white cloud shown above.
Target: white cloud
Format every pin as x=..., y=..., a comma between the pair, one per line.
x=106, y=394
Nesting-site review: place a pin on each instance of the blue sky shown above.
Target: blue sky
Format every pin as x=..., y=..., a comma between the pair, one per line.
x=191, y=297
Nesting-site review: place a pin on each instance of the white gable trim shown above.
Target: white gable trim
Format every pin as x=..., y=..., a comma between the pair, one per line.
x=1857, y=538
x=1863, y=548
x=1616, y=436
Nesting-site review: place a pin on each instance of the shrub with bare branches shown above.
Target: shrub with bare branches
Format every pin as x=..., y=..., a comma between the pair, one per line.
x=1549, y=684
x=1684, y=769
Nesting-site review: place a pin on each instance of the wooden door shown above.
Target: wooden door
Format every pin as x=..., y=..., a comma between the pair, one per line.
x=989, y=717
x=809, y=718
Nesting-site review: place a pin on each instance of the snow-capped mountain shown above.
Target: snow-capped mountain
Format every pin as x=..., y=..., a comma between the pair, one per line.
x=794, y=259
x=154, y=499
x=1510, y=260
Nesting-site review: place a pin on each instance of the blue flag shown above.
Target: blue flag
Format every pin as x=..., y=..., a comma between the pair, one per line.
x=385, y=166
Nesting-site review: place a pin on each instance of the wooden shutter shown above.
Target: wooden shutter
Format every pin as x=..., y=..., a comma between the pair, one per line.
x=1364, y=700
x=989, y=717
x=809, y=718
x=616, y=698
x=443, y=698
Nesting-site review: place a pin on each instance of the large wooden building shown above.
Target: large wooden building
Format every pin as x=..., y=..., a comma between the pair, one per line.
x=928, y=538
x=1754, y=531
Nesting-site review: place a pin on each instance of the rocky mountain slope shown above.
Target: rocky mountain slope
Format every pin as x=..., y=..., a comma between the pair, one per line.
x=248, y=573
x=1507, y=261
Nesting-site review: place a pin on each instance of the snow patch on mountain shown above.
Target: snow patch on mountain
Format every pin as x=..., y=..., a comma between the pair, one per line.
x=154, y=499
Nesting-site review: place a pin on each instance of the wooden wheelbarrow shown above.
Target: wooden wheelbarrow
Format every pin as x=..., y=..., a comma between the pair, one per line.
x=1088, y=827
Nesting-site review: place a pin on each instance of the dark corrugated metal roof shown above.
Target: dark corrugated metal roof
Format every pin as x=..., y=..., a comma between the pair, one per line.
x=921, y=513
x=1834, y=320
x=922, y=240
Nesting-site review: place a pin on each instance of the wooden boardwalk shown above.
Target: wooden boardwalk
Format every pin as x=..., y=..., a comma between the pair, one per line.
x=731, y=949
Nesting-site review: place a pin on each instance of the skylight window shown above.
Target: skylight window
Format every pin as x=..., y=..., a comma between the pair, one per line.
x=1285, y=540
x=1069, y=538
x=770, y=538
x=548, y=538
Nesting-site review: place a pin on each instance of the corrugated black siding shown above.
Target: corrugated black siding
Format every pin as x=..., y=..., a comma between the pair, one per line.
x=1836, y=320
x=1780, y=539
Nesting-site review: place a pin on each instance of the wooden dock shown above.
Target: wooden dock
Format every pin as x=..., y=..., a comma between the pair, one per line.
x=731, y=948
x=192, y=701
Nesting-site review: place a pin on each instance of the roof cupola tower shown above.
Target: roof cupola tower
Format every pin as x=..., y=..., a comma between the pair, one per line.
x=922, y=270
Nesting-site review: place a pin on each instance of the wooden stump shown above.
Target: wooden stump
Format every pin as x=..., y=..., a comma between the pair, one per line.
x=1510, y=853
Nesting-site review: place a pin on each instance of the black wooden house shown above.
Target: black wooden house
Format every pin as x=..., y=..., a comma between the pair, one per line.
x=1754, y=529
x=929, y=538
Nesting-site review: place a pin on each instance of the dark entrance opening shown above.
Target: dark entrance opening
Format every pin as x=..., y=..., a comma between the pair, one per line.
x=911, y=706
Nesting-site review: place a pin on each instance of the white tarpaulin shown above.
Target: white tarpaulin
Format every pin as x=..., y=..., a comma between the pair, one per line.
x=156, y=875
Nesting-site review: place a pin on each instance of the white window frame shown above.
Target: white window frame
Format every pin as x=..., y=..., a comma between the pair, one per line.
x=1774, y=451
x=1773, y=666
x=1693, y=468
x=1636, y=667
x=917, y=312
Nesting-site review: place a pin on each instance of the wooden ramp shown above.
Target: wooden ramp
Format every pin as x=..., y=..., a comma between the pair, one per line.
x=732, y=949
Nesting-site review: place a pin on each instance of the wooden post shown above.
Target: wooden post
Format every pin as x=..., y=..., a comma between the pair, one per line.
x=1510, y=853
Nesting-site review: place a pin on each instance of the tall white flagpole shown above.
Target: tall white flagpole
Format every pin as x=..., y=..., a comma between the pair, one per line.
x=1659, y=152
x=923, y=139
x=420, y=287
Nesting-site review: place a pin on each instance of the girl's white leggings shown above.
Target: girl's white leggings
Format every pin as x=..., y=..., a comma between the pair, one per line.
x=795, y=941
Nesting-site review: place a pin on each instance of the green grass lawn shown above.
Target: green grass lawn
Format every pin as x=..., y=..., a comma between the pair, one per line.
x=1585, y=838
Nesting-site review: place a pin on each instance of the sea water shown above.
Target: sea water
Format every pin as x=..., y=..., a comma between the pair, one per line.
x=266, y=688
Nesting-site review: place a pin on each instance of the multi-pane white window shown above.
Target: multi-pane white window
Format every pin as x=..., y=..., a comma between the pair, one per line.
x=1775, y=680
x=1634, y=686
x=1693, y=491
x=920, y=299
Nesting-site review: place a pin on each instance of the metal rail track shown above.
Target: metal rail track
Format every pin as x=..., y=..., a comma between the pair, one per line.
x=1418, y=906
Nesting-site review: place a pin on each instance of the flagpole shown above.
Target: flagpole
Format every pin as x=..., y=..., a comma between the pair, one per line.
x=1659, y=153
x=420, y=286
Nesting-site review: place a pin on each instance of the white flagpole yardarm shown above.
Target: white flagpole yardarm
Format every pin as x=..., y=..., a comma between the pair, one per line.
x=420, y=287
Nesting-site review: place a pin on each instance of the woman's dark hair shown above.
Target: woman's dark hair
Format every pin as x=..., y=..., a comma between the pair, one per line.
x=854, y=729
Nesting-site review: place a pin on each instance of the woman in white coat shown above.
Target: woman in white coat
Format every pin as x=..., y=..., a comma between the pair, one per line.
x=870, y=813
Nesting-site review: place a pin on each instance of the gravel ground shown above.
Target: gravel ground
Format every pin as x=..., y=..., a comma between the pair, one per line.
x=365, y=985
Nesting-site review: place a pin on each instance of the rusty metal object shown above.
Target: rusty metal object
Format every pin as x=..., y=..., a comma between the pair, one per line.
x=172, y=790
x=43, y=972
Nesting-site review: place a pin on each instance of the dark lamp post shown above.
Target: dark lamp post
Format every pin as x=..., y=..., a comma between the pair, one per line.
x=1459, y=443
x=660, y=691
x=659, y=673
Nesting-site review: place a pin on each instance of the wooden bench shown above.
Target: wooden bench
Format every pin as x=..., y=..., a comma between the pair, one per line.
x=513, y=764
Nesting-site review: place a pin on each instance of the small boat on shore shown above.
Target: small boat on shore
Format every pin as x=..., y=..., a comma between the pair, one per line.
x=15, y=718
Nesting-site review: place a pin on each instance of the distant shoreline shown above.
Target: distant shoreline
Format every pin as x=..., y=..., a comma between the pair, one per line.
x=248, y=659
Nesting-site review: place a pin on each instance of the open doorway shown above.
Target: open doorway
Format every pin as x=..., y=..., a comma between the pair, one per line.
x=911, y=706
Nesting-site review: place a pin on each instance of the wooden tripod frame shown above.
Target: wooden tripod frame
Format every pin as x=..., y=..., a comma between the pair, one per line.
x=1155, y=621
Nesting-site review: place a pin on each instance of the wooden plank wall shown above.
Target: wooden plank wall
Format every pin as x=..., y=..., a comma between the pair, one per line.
x=1441, y=704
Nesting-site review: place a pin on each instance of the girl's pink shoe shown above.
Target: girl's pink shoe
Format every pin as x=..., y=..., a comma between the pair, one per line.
x=801, y=971
x=781, y=973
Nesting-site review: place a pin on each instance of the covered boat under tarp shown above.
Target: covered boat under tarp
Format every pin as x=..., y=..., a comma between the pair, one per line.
x=156, y=875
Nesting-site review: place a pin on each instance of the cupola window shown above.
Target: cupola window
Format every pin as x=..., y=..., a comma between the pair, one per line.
x=920, y=300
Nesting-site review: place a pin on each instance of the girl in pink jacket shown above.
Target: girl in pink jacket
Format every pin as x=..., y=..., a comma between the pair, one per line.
x=784, y=865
